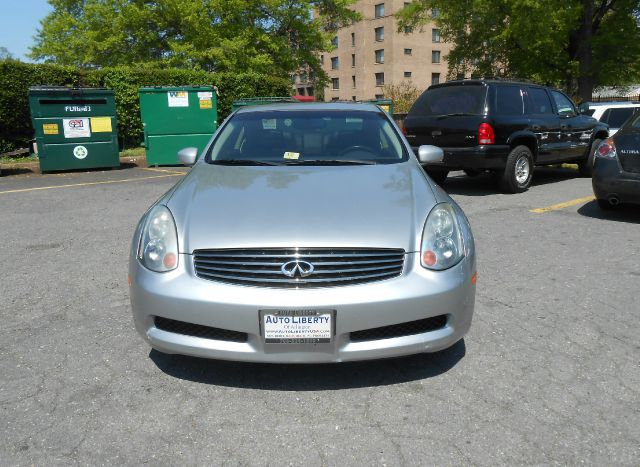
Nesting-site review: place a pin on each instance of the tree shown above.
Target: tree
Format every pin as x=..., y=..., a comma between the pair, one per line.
x=575, y=44
x=403, y=95
x=5, y=54
x=265, y=36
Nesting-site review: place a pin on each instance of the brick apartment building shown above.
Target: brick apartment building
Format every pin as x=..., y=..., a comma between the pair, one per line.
x=372, y=53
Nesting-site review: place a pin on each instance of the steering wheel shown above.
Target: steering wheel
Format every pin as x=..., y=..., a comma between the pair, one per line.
x=357, y=147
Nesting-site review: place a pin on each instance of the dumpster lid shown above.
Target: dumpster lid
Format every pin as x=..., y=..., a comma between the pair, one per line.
x=176, y=88
x=68, y=90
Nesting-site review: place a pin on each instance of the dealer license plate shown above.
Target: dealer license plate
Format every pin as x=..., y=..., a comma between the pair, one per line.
x=297, y=326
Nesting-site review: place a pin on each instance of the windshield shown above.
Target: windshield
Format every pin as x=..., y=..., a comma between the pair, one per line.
x=307, y=136
x=451, y=100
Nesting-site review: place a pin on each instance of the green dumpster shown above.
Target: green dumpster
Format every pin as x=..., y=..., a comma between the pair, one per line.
x=76, y=128
x=175, y=118
x=259, y=101
x=385, y=104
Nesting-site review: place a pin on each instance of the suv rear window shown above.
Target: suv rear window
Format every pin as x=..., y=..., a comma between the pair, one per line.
x=447, y=100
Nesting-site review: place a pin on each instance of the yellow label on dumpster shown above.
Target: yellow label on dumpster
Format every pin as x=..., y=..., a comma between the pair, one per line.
x=206, y=104
x=50, y=128
x=385, y=107
x=101, y=125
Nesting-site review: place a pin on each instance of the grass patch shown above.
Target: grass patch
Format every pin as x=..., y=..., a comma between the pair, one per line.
x=18, y=159
x=133, y=152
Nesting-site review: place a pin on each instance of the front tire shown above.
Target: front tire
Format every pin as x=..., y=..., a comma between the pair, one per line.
x=518, y=171
x=585, y=167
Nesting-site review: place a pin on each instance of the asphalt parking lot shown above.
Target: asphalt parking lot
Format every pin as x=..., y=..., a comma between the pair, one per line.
x=549, y=374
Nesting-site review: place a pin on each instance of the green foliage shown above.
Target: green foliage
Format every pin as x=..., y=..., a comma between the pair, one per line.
x=275, y=37
x=16, y=77
x=403, y=95
x=574, y=44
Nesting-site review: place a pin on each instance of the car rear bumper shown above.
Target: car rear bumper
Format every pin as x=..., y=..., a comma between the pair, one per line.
x=476, y=157
x=415, y=295
x=610, y=181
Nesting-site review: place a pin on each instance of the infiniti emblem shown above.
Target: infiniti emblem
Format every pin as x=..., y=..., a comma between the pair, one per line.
x=297, y=268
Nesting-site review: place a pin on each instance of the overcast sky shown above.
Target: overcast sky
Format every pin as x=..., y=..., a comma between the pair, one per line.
x=18, y=23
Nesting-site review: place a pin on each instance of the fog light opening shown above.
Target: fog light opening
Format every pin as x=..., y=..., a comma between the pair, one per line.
x=429, y=258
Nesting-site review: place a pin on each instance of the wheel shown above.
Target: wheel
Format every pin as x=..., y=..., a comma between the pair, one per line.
x=518, y=171
x=437, y=175
x=472, y=172
x=585, y=167
x=605, y=205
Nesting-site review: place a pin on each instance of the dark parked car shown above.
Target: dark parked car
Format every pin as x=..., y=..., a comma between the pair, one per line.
x=616, y=171
x=503, y=127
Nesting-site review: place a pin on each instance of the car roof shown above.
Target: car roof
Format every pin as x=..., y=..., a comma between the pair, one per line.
x=615, y=104
x=486, y=81
x=310, y=106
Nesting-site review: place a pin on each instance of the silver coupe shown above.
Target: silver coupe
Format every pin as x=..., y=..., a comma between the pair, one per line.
x=304, y=233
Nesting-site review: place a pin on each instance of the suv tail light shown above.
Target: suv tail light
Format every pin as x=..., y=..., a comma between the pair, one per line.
x=607, y=149
x=485, y=134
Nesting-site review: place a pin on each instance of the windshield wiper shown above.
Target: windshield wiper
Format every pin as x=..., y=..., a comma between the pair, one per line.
x=330, y=162
x=241, y=162
x=455, y=114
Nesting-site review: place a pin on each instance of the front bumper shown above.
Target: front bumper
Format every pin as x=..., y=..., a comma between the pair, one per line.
x=416, y=294
x=476, y=157
x=610, y=181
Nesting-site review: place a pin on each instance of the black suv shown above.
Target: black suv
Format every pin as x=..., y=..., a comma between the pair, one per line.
x=503, y=127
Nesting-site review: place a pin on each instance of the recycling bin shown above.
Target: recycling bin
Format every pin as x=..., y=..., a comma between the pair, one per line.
x=259, y=101
x=384, y=104
x=174, y=118
x=75, y=128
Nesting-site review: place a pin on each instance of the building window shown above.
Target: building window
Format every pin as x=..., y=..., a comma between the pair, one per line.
x=379, y=96
x=379, y=10
x=353, y=60
x=335, y=83
x=334, y=41
x=406, y=4
x=379, y=33
x=408, y=51
x=380, y=56
x=335, y=99
x=353, y=39
x=408, y=29
x=335, y=63
x=435, y=13
x=322, y=59
x=353, y=81
x=407, y=74
x=435, y=56
x=435, y=78
x=301, y=91
x=435, y=35
x=353, y=98
x=379, y=79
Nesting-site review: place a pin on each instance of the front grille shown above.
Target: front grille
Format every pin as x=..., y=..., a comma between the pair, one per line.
x=198, y=330
x=630, y=162
x=332, y=267
x=400, y=330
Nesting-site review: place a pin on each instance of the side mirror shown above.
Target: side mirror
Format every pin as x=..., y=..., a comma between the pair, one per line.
x=430, y=154
x=188, y=156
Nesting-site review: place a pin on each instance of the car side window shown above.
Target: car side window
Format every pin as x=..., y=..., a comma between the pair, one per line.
x=509, y=100
x=540, y=101
x=564, y=104
x=617, y=117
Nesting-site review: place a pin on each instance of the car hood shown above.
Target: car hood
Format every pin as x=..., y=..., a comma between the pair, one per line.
x=372, y=206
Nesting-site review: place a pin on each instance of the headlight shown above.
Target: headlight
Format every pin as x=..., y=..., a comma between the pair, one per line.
x=442, y=245
x=158, y=249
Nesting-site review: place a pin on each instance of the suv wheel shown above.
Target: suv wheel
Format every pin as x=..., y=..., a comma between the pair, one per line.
x=518, y=170
x=438, y=175
x=585, y=167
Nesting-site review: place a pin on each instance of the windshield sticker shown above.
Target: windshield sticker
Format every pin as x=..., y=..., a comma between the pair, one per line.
x=291, y=155
x=269, y=124
x=287, y=122
x=353, y=120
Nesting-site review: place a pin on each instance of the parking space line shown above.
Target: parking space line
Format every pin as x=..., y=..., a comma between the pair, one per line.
x=566, y=204
x=154, y=169
x=73, y=185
